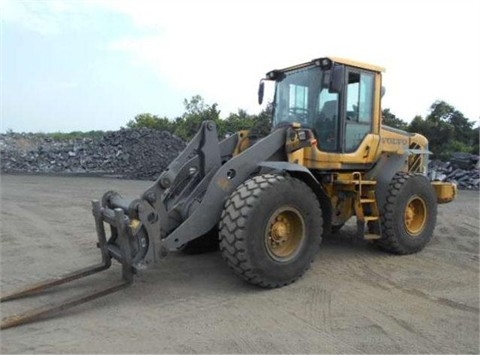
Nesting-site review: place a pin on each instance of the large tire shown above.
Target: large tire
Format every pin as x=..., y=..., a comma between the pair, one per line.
x=409, y=214
x=270, y=230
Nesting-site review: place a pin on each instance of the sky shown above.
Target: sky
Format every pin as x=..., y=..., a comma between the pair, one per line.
x=94, y=65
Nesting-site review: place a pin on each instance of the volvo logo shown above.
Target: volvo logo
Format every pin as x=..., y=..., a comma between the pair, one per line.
x=396, y=141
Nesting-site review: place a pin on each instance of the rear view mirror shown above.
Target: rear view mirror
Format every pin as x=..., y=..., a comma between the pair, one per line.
x=261, y=90
x=337, y=78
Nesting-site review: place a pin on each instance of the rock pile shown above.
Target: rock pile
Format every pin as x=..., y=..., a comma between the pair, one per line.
x=127, y=153
x=144, y=153
x=463, y=169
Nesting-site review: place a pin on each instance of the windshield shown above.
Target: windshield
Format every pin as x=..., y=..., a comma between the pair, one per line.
x=296, y=95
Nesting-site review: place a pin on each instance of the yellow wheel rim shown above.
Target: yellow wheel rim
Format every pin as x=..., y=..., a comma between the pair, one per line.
x=415, y=216
x=285, y=234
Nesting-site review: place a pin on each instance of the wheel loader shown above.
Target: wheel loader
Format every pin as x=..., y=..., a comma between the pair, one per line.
x=268, y=202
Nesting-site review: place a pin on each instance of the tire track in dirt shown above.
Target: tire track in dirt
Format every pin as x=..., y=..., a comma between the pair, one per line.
x=449, y=241
x=375, y=279
x=418, y=293
x=319, y=308
x=280, y=314
x=359, y=263
x=420, y=306
x=373, y=304
x=312, y=304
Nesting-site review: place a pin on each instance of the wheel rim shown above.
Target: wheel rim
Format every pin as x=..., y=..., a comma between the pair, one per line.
x=285, y=234
x=415, y=216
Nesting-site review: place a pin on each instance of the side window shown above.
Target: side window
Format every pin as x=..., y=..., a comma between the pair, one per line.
x=365, y=113
x=353, y=90
x=326, y=126
x=359, y=110
x=298, y=100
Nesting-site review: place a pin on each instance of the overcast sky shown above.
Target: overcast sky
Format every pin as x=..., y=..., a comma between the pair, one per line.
x=90, y=65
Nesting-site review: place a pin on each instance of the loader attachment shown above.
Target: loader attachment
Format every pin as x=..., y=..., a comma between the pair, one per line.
x=101, y=214
x=184, y=203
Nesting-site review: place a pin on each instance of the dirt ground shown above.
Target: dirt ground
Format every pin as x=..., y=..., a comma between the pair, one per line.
x=355, y=299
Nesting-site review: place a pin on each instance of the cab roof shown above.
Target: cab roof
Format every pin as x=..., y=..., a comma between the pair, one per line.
x=349, y=62
x=357, y=64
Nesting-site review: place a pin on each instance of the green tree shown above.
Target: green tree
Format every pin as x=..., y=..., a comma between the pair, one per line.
x=475, y=141
x=418, y=125
x=260, y=124
x=446, y=129
x=389, y=119
x=443, y=112
x=148, y=120
x=196, y=105
x=438, y=134
x=263, y=121
x=237, y=121
x=196, y=111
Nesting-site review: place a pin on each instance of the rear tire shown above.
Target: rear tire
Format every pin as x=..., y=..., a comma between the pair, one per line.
x=409, y=214
x=270, y=230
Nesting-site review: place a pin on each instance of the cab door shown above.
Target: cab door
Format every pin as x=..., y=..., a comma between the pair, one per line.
x=358, y=108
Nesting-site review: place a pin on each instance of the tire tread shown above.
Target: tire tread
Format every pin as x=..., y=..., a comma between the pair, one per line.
x=233, y=223
x=390, y=241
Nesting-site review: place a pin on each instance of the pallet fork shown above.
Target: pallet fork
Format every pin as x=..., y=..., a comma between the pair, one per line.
x=138, y=239
x=117, y=219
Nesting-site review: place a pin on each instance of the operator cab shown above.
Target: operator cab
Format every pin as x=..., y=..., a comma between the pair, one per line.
x=333, y=97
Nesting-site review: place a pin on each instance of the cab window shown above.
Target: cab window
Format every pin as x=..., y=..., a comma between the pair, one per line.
x=326, y=125
x=298, y=98
x=359, y=108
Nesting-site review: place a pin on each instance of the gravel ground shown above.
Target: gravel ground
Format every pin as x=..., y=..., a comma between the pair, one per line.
x=355, y=299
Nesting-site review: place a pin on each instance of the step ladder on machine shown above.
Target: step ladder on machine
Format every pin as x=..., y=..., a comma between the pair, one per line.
x=365, y=205
x=366, y=208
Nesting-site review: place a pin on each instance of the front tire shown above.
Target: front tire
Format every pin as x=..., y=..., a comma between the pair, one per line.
x=270, y=230
x=409, y=214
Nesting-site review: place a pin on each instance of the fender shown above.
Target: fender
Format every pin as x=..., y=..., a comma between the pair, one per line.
x=385, y=169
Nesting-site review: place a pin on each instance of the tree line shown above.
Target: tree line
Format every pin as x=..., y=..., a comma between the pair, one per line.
x=446, y=128
x=197, y=111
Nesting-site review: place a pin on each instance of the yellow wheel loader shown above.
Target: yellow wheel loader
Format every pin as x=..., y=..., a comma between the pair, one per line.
x=268, y=202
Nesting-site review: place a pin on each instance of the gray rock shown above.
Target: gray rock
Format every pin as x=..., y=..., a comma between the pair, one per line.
x=135, y=154
x=463, y=170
